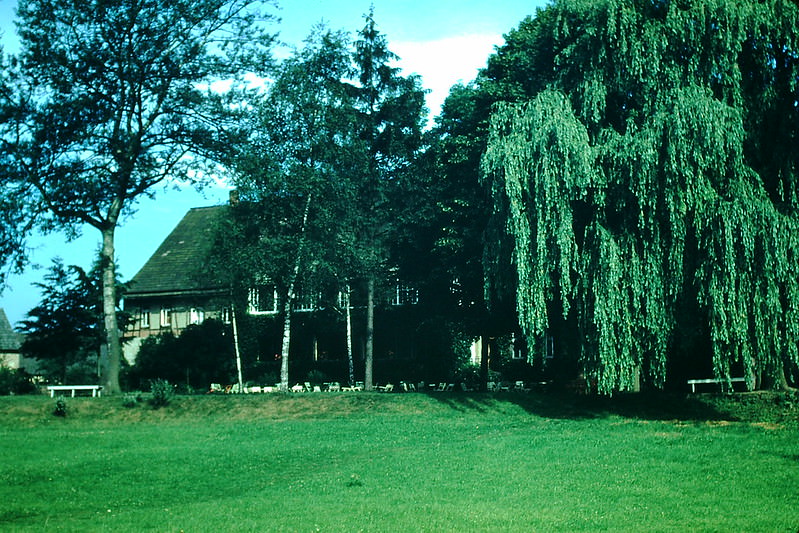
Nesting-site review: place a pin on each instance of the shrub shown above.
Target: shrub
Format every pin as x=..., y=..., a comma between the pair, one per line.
x=317, y=377
x=162, y=392
x=469, y=375
x=60, y=408
x=14, y=381
x=354, y=481
x=131, y=400
x=201, y=355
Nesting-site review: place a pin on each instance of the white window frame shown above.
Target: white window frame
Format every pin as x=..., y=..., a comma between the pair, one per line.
x=254, y=301
x=196, y=316
x=166, y=317
x=144, y=318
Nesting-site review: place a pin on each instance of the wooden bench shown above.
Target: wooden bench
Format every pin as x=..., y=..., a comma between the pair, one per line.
x=694, y=382
x=97, y=390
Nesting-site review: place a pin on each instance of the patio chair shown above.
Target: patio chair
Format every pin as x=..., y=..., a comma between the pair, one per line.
x=520, y=386
x=407, y=387
x=334, y=387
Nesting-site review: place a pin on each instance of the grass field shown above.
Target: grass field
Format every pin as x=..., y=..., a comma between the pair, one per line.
x=413, y=462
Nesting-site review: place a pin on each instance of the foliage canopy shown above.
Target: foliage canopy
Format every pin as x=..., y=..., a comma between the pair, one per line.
x=650, y=176
x=107, y=100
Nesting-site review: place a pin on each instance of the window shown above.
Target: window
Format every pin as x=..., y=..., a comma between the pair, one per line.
x=196, y=316
x=306, y=301
x=262, y=300
x=166, y=317
x=343, y=299
x=405, y=295
x=144, y=319
x=227, y=316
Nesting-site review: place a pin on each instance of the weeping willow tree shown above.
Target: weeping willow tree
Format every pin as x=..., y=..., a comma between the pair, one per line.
x=649, y=179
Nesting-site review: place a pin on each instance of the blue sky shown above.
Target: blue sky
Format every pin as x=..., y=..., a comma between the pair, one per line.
x=444, y=41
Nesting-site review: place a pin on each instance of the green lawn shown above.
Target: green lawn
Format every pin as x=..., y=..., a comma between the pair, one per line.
x=413, y=462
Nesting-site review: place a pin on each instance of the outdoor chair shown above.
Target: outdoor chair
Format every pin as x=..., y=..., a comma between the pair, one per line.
x=407, y=387
x=297, y=388
x=215, y=387
x=334, y=387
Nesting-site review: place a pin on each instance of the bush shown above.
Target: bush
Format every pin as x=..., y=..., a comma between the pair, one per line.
x=469, y=375
x=162, y=392
x=14, y=381
x=317, y=377
x=131, y=400
x=201, y=355
x=60, y=408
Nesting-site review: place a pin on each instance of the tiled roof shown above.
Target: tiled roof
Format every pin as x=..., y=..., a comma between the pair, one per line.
x=177, y=265
x=10, y=340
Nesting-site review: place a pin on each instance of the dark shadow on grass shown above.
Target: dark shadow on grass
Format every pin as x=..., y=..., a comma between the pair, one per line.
x=566, y=405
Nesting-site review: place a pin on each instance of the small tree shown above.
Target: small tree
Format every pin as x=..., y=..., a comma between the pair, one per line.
x=65, y=331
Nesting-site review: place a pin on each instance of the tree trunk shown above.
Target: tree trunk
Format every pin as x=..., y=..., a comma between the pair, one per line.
x=110, y=376
x=284, y=352
x=348, y=311
x=484, y=355
x=370, y=333
x=236, y=347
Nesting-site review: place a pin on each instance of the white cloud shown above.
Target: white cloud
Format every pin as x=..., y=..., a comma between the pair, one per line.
x=444, y=62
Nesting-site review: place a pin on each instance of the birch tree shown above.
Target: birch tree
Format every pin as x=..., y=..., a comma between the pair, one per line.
x=291, y=172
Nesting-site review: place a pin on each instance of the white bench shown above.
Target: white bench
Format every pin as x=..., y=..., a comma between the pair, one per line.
x=694, y=382
x=97, y=390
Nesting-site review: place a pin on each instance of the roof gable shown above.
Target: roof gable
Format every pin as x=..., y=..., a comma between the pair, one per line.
x=10, y=340
x=176, y=266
